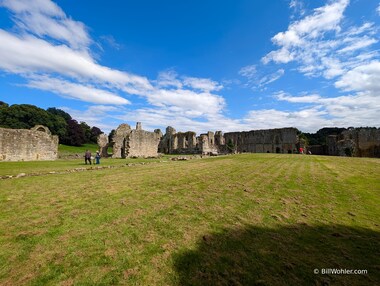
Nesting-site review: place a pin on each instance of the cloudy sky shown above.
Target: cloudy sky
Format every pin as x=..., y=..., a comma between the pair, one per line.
x=195, y=65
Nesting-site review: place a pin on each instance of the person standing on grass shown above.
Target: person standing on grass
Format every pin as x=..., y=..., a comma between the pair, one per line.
x=97, y=158
x=87, y=157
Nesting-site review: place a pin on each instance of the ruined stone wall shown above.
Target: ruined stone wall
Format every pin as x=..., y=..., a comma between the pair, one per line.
x=283, y=140
x=129, y=142
x=368, y=142
x=103, y=145
x=118, y=141
x=178, y=143
x=260, y=141
x=207, y=143
x=358, y=142
x=141, y=143
x=28, y=145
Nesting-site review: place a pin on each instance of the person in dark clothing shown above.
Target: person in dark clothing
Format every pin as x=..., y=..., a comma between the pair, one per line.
x=87, y=157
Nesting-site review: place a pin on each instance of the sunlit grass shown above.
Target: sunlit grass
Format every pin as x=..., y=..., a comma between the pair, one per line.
x=248, y=219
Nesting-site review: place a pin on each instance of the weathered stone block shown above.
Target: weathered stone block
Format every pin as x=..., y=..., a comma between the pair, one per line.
x=28, y=145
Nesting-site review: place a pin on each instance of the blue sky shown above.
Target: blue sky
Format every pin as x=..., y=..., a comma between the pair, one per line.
x=195, y=65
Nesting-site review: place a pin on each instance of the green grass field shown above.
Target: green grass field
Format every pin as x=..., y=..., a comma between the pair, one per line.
x=250, y=219
x=65, y=150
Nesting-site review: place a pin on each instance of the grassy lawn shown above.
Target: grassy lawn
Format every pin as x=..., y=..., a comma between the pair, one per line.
x=65, y=149
x=250, y=219
x=71, y=157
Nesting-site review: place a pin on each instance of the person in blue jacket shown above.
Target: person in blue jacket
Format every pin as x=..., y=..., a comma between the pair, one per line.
x=97, y=158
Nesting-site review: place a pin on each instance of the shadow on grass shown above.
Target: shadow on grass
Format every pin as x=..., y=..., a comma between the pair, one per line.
x=281, y=256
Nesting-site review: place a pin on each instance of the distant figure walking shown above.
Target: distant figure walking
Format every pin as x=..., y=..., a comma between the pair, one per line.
x=87, y=157
x=97, y=157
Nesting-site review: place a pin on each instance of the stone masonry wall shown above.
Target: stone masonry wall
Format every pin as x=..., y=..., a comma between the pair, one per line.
x=282, y=140
x=178, y=143
x=129, y=142
x=28, y=145
x=357, y=142
x=141, y=143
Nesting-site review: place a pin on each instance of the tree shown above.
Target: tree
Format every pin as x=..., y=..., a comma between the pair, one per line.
x=230, y=146
x=110, y=136
x=95, y=132
x=59, y=112
x=26, y=116
x=75, y=134
x=87, y=131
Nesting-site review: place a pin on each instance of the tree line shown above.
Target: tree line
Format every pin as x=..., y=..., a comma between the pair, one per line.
x=60, y=123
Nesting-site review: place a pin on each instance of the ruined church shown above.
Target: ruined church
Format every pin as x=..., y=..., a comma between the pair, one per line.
x=128, y=142
x=39, y=144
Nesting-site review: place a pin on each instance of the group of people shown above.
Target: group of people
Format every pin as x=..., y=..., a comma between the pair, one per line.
x=90, y=159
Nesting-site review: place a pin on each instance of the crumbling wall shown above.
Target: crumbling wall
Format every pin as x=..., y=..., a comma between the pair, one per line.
x=28, y=145
x=178, y=143
x=358, y=142
x=129, y=142
x=368, y=142
x=141, y=143
x=207, y=143
x=118, y=141
x=103, y=145
x=282, y=140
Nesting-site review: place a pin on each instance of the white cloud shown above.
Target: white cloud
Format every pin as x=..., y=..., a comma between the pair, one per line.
x=27, y=54
x=355, y=45
x=110, y=40
x=248, y=71
x=323, y=19
x=76, y=91
x=256, y=79
x=202, y=103
x=322, y=45
x=96, y=115
x=169, y=78
x=153, y=118
x=45, y=18
x=271, y=77
x=361, y=109
x=378, y=9
x=305, y=119
x=313, y=98
x=68, y=69
x=298, y=8
x=282, y=55
x=203, y=84
x=53, y=52
x=365, y=78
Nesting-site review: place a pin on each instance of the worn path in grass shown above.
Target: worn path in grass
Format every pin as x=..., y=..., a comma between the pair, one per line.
x=237, y=220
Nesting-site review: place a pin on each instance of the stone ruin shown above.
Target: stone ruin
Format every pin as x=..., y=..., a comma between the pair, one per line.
x=357, y=142
x=132, y=143
x=178, y=143
x=32, y=144
x=284, y=140
x=103, y=145
x=281, y=140
x=362, y=142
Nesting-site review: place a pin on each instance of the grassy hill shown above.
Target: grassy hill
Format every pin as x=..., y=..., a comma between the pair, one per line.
x=251, y=219
x=65, y=151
